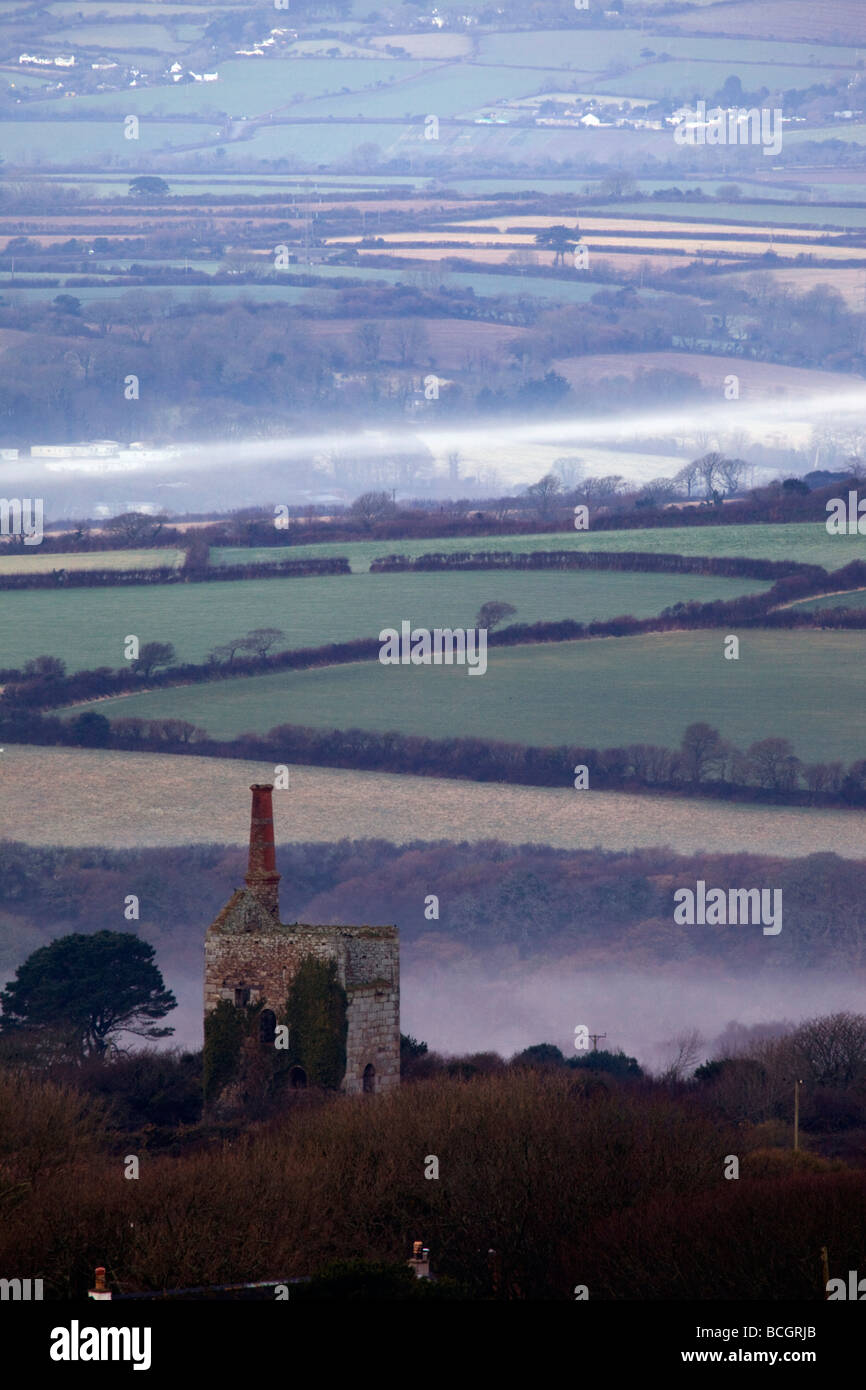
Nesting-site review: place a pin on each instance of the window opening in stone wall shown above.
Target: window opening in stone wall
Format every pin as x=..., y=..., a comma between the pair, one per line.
x=267, y=1027
x=369, y=1078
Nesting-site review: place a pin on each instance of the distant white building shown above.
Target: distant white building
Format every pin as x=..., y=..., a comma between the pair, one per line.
x=33, y=58
x=97, y=448
x=8, y=455
x=66, y=61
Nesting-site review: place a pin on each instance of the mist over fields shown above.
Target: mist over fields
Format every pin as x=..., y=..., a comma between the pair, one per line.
x=193, y=476
x=459, y=1009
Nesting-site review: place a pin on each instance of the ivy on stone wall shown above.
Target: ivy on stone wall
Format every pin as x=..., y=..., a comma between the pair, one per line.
x=235, y=1056
x=224, y=1030
x=316, y=1012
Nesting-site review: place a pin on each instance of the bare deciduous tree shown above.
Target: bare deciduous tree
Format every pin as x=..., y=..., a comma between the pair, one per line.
x=545, y=493
x=491, y=614
x=683, y=1052
x=832, y=1049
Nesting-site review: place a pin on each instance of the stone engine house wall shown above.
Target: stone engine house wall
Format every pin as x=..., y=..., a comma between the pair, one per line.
x=248, y=949
x=368, y=968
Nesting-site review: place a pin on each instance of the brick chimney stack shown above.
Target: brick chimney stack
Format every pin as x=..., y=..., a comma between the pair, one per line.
x=262, y=878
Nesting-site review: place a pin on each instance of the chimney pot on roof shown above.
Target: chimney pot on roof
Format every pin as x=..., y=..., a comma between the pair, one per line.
x=100, y=1292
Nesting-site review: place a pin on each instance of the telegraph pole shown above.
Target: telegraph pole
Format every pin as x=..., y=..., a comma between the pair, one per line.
x=595, y=1040
x=797, y=1085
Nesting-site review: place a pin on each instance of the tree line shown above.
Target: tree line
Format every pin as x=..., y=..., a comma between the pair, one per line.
x=543, y=508
x=536, y=901
x=768, y=771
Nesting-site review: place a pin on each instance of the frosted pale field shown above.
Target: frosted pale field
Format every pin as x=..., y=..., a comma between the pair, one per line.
x=118, y=800
x=39, y=562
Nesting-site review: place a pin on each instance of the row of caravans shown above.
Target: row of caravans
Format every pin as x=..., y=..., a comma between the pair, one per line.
x=92, y=449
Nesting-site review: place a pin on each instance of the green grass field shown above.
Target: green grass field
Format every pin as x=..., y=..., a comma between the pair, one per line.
x=47, y=142
x=604, y=692
x=854, y=132
x=449, y=90
x=283, y=294
x=855, y=599
x=87, y=626
x=742, y=210
x=38, y=562
x=556, y=291
x=593, y=50
x=685, y=79
x=806, y=542
x=68, y=9
x=252, y=87
x=113, y=36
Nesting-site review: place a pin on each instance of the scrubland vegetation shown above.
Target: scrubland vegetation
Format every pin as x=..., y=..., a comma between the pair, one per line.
x=569, y=1175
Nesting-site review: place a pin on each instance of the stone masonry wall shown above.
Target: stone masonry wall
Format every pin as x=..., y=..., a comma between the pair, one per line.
x=374, y=1038
x=370, y=958
x=264, y=962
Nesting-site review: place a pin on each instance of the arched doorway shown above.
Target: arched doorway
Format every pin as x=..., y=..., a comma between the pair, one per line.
x=369, y=1078
x=298, y=1079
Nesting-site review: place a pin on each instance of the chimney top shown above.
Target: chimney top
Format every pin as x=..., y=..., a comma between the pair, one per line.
x=419, y=1262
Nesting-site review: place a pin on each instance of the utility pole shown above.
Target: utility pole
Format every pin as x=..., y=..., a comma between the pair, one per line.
x=595, y=1040
x=797, y=1085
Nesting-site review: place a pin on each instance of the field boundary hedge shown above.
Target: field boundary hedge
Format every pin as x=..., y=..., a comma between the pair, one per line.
x=164, y=574
x=650, y=562
x=636, y=769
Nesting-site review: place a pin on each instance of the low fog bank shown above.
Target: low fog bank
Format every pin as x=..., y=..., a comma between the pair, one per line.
x=219, y=475
x=463, y=1009
x=641, y=1012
